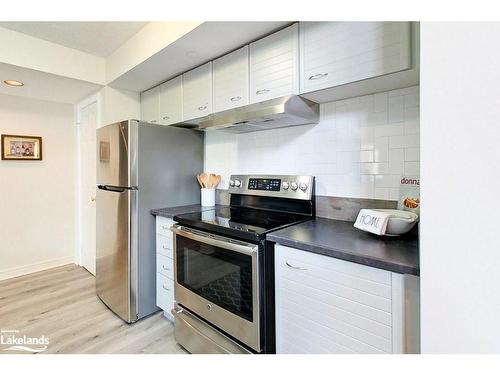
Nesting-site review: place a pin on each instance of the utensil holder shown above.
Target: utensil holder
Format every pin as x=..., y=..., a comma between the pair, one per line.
x=207, y=197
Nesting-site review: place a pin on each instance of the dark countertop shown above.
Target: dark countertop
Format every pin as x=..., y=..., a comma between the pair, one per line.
x=170, y=212
x=339, y=239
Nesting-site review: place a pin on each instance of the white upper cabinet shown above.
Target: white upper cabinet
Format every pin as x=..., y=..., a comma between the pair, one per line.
x=274, y=65
x=336, y=53
x=197, y=92
x=171, y=101
x=150, y=105
x=230, y=76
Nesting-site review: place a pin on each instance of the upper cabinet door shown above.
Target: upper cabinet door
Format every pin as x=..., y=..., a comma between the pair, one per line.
x=150, y=105
x=230, y=78
x=171, y=101
x=274, y=65
x=197, y=92
x=336, y=53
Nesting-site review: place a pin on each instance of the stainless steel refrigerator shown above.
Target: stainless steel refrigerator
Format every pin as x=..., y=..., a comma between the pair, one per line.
x=140, y=166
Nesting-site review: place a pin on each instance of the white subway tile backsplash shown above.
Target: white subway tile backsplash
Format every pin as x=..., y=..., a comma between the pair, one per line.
x=381, y=149
x=412, y=168
x=396, y=108
x=412, y=154
x=388, y=130
x=366, y=156
x=404, y=141
x=361, y=147
x=381, y=193
x=396, y=161
x=380, y=102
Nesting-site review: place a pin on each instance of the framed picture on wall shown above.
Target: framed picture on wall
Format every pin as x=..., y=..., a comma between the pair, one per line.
x=21, y=147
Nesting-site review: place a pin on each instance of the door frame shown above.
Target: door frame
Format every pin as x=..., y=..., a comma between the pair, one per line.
x=96, y=98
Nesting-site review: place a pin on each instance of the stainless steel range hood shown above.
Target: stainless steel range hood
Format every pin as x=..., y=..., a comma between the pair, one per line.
x=274, y=113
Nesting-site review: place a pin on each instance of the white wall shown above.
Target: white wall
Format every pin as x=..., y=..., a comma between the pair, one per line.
x=460, y=139
x=37, y=198
x=360, y=148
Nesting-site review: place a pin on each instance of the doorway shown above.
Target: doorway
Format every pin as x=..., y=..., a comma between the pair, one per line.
x=87, y=125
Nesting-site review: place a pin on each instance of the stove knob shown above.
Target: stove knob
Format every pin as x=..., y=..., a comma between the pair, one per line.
x=231, y=183
x=237, y=183
x=294, y=185
x=286, y=185
x=303, y=186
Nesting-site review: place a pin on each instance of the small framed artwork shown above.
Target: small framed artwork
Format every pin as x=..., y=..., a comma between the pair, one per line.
x=21, y=147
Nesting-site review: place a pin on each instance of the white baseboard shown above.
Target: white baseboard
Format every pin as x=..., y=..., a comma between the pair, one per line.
x=35, y=267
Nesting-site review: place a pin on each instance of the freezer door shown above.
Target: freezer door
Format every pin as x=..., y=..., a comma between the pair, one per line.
x=117, y=154
x=116, y=248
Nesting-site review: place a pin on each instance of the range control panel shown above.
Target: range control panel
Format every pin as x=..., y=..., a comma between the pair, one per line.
x=283, y=186
x=265, y=184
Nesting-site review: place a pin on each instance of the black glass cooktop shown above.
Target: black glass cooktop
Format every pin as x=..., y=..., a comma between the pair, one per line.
x=244, y=223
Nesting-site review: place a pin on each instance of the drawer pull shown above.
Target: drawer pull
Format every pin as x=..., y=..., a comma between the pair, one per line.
x=166, y=268
x=202, y=108
x=317, y=76
x=167, y=289
x=164, y=247
x=263, y=91
x=153, y=121
x=295, y=267
x=235, y=98
x=166, y=117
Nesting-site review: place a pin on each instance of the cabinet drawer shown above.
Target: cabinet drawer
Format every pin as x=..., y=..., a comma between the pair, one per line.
x=165, y=266
x=164, y=292
x=164, y=246
x=274, y=68
x=163, y=226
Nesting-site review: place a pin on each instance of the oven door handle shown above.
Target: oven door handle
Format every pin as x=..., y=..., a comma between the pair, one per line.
x=209, y=239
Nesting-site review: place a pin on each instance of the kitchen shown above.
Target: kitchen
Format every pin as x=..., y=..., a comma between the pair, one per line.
x=302, y=128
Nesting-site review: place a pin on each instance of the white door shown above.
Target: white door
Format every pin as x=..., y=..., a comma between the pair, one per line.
x=87, y=157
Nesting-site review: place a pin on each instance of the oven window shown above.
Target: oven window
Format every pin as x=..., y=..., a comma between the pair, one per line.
x=221, y=276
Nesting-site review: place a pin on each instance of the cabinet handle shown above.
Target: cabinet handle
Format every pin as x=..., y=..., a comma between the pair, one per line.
x=295, y=267
x=235, y=98
x=164, y=227
x=263, y=91
x=165, y=268
x=166, y=117
x=164, y=247
x=153, y=121
x=317, y=76
x=167, y=289
x=202, y=108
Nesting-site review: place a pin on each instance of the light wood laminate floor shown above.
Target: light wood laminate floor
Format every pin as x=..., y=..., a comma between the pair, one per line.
x=61, y=303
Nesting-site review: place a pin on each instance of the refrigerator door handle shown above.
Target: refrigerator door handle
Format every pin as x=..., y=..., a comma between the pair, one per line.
x=117, y=189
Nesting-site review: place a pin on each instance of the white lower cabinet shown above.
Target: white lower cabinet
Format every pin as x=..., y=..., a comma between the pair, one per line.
x=327, y=305
x=164, y=266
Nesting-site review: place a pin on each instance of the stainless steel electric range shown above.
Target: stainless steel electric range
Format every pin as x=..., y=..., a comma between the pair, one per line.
x=224, y=266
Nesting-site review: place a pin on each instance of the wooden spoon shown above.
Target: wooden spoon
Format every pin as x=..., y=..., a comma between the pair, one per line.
x=199, y=180
x=204, y=179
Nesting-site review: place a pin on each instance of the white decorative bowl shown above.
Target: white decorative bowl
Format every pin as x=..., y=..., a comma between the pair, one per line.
x=400, y=223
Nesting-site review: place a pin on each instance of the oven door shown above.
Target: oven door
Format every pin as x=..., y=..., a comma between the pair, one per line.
x=217, y=279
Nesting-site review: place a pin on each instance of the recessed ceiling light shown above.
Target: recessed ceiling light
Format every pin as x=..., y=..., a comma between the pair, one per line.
x=13, y=82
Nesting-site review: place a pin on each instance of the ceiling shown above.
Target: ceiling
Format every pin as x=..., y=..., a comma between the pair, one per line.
x=97, y=38
x=45, y=86
x=207, y=42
